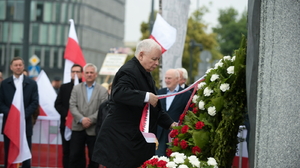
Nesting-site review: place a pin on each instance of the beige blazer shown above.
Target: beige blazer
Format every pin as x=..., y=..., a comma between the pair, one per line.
x=80, y=108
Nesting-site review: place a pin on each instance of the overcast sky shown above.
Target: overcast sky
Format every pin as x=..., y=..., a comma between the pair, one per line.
x=138, y=11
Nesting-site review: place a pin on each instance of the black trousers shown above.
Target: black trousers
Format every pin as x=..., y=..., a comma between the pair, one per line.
x=77, y=148
x=162, y=143
x=65, y=148
x=26, y=163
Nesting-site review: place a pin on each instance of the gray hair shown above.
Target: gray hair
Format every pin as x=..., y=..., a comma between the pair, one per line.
x=89, y=65
x=146, y=45
x=184, y=72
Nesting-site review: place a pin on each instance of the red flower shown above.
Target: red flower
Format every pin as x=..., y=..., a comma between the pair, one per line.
x=195, y=110
x=184, y=129
x=173, y=133
x=196, y=150
x=183, y=144
x=199, y=125
x=169, y=152
x=175, y=142
x=161, y=164
x=181, y=118
x=153, y=161
x=192, y=105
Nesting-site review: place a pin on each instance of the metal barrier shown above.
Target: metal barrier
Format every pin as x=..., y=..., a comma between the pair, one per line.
x=46, y=146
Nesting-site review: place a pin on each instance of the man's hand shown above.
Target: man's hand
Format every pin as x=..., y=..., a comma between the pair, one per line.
x=153, y=99
x=86, y=122
x=174, y=124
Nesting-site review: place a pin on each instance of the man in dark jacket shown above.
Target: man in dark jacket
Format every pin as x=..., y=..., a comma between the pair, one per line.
x=62, y=106
x=120, y=142
x=173, y=105
x=30, y=100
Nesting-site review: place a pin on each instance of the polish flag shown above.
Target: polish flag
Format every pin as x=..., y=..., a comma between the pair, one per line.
x=73, y=55
x=163, y=33
x=46, y=98
x=14, y=129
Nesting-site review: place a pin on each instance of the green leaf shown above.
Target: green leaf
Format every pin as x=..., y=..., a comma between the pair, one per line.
x=201, y=138
x=218, y=102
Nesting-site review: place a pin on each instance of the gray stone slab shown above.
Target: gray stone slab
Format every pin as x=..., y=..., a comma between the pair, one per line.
x=278, y=88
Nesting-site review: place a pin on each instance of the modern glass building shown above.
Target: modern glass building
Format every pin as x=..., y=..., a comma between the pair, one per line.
x=41, y=27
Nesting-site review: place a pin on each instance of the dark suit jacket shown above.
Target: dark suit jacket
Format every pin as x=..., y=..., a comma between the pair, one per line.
x=30, y=98
x=176, y=108
x=120, y=135
x=62, y=102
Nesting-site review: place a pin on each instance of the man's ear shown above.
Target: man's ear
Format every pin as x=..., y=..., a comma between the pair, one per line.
x=141, y=55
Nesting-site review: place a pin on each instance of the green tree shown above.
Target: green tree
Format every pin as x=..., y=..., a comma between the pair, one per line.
x=230, y=30
x=196, y=31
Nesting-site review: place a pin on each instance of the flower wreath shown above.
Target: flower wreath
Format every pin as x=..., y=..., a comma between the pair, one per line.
x=219, y=108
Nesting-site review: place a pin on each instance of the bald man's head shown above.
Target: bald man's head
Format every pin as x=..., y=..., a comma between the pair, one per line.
x=172, y=79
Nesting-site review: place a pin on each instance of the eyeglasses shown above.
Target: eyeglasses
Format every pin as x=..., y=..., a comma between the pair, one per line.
x=76, y=71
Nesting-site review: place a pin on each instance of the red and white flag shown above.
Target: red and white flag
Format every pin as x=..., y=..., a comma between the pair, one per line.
x=47, y=98
x=73, y=55
x=14, y=129
x=163, y=33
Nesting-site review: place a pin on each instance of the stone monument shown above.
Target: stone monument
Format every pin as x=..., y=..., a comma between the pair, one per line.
x=273, y=83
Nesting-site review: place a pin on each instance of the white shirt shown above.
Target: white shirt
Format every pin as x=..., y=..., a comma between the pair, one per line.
x=17, y=80
x=170, y=99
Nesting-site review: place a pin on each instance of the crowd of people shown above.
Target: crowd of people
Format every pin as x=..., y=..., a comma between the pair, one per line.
x=106, y=120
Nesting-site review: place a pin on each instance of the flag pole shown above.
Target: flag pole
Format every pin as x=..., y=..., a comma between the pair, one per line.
x=106, y=78
x=160, y=70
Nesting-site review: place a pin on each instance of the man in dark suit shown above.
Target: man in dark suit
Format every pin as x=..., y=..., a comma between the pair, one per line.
x=62, y=106
x=120, y=142
x=173, y=105
x=30, y=98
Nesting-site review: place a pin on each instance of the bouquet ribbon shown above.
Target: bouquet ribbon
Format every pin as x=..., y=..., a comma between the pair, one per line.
x=144, y=123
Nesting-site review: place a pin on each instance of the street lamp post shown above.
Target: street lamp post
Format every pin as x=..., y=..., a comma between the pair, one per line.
x=26, y=31
x=193, y=44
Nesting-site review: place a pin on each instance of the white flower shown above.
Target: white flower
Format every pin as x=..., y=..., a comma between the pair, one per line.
x=230, y=70
x=227, y=58
x=195, y=98
x=194, y=161
x=207, y=71
x=183, y=166
x=211, y=111
x=219, y=64
x=179, y=157
x=201, y=105
x=164, y=158
x=214, y=77
x=233, y=59
x=200, y=85
x=224, y=87
x=207, y=91
x=155, y=156
x=171, y=164
x=174, y=154
x=211, y=161
x=178, y=160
